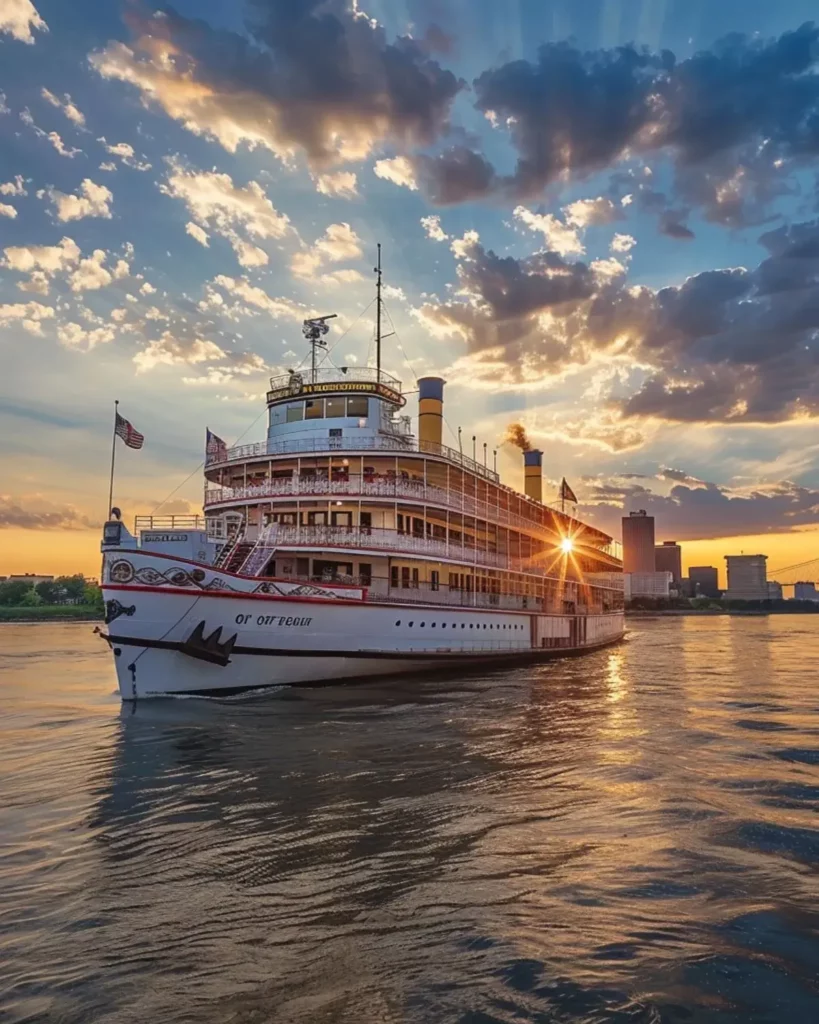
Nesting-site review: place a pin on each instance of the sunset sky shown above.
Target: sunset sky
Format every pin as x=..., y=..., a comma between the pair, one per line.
x=599, y=218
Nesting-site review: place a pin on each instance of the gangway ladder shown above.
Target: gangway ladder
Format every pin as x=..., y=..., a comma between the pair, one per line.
x=261, y=553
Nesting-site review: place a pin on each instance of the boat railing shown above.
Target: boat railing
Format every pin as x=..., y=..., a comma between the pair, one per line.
x=337, y=375
x=383, y=487
x=396, y=443
x=323, y=537
x=175, y=522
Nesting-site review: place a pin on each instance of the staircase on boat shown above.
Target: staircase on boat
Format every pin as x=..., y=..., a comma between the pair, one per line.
x=261, y=553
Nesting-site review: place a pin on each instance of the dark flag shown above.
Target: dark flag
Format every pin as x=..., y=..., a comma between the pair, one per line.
x=566, y=493
x=215, y=447
x=128, y=433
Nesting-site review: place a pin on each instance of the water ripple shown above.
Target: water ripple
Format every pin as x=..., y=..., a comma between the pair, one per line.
x=625, y=837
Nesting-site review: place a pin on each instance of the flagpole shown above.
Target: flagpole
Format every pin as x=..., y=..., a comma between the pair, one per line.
x=113, y=460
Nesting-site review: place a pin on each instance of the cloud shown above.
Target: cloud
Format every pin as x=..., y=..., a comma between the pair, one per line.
x=735, y=345
x=557, y=236
x=340, y=184
x=198, y=233
x=702, y=510
x=13, y=188
x=215, y=202
x=172, y=350
x=242, y=290
x=456, y=175
x=66, y=105
x=399, y=170
x=32, y=512
x=623, y=243
x=587, y=212
x=40, y=262
x=73, y=336
x=7, y=211
x=18, y=18
x=316, y=77
x=510, y=307
x=53, y=137
x=338, y=243
x=433, y=229
x=93, y=201
x=91, y=274
x=735, y=120
x=28, y=314
x=125, y=152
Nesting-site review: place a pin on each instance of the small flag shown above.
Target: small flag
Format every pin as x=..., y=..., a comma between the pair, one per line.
x=215, y=447
x=566, y=493
x=128, y=433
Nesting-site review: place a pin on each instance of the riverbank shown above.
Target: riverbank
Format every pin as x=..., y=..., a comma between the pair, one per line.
x=51, y=613
x=710, y=612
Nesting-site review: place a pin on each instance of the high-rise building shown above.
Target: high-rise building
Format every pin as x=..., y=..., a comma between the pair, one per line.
x=747, y=577
x=638, y=542
x=704, y=580
x=805, y=592
x=774, y=590
x=668, y=558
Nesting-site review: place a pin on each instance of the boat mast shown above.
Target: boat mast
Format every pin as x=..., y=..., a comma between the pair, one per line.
x=314, y=330
x=377, y=271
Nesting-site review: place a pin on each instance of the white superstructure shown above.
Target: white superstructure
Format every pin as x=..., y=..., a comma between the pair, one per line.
x=344, y=546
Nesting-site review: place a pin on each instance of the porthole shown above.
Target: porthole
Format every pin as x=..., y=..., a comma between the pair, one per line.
x=471, y=626
x=412, y=624
x=423, y=624
x=398, y=622
x=463, y=625
x=433, y=625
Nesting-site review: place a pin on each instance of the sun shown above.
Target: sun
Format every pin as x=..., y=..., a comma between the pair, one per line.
x=567, y=545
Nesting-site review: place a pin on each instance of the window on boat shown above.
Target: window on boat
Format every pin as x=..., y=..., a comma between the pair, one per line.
x=295, y=412
x=314, y=409
x=358, y=407
x=394, y=576
x=405, y=577
x=335, y=408
x=415, y=579
x=435, y=580
x=365, y=573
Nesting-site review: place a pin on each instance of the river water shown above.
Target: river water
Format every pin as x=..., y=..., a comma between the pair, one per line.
x=628, y=836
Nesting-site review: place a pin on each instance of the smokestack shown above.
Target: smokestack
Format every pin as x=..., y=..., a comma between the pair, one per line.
x=431, y=410
x=533, y=475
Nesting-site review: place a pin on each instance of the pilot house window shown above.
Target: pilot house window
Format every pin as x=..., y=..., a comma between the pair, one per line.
x=314, y=409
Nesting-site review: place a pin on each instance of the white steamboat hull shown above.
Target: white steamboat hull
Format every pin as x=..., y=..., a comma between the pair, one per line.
x=176, y=627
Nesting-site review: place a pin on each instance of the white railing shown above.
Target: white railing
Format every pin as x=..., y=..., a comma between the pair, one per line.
x=350, y=444
x=335, y=375
x=377, y=539
x=381, y=487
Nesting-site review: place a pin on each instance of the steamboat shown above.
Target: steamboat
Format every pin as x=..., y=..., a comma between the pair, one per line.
x=345, y=546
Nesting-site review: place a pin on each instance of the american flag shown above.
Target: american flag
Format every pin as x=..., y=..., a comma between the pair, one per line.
x=215, y=447
x=129, y=434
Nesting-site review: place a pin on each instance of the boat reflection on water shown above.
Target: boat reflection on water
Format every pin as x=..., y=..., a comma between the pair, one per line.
x=564, y=843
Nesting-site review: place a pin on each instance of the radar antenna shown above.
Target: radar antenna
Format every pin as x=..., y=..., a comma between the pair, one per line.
x=314, y=330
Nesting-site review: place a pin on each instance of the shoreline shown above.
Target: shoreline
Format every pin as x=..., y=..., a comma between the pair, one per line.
x=30, y=615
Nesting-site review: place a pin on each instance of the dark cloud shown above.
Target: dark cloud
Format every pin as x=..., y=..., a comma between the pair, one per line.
x=734, y=345
x=41, y=515
x=314, y=75
x=704, y=510
x=454, y=176
x=734, y=118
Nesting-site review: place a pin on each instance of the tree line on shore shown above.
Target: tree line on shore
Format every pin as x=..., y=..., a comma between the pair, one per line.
x=61, y=591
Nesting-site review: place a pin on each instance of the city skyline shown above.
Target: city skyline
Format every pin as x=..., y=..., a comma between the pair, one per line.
x=618, y=280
